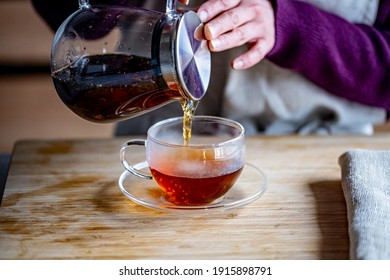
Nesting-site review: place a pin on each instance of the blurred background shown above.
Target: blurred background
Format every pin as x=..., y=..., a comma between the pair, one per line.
x=29, y=105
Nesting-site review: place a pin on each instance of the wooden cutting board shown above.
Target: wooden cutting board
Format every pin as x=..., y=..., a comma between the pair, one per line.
x=62, y=201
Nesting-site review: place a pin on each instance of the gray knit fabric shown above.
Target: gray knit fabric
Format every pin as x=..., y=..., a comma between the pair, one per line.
x=366, y=186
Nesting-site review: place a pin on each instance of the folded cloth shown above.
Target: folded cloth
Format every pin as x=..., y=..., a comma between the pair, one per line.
x=366, y=187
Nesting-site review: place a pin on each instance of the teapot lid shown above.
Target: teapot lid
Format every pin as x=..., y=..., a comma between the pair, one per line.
x=193, y=59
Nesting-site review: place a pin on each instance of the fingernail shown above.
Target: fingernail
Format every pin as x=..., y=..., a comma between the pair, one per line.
x=216, y=43
x=238, y=64
x=203, y=15
x=210, y=30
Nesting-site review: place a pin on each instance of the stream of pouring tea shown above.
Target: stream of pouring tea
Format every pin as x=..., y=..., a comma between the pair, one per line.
x=189, y=107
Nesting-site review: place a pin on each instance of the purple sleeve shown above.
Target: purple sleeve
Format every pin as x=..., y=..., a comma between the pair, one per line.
x=348, y=60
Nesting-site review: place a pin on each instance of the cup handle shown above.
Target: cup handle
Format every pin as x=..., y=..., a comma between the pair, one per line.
x=125, y=163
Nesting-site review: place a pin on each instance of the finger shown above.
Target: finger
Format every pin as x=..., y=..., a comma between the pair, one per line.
x=212, y=8
x=237, y=37
x=254, y=55
x=228, y=21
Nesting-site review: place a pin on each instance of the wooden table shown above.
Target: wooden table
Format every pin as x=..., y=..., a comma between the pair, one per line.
x=62, y=201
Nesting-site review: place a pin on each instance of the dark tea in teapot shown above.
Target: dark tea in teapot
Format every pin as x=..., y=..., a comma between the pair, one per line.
x=109, y=87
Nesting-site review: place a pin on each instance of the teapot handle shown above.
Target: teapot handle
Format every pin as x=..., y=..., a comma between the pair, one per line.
x=170, y=7
x=84, y=4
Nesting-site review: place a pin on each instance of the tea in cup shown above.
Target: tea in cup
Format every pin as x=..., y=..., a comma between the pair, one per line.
x=196, y=173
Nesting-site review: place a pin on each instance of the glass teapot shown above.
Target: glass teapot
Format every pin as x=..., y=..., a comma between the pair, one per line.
x=111, y=63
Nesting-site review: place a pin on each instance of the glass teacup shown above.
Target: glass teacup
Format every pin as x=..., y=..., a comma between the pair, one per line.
x=200, y=172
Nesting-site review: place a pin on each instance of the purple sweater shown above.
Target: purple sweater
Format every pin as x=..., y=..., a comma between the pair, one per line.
x=348, y=60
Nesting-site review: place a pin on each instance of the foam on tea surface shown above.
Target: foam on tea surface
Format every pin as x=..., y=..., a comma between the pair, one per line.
x=197, y=163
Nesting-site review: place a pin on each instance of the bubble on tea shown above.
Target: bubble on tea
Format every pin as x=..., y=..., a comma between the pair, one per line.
x=193, y=169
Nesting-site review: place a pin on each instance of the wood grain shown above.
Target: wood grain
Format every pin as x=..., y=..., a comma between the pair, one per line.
x=62, y=201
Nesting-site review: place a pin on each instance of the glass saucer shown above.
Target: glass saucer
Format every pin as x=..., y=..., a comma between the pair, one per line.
x=249, y=186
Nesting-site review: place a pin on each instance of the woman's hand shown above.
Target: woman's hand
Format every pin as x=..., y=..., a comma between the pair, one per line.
x=232, y=23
